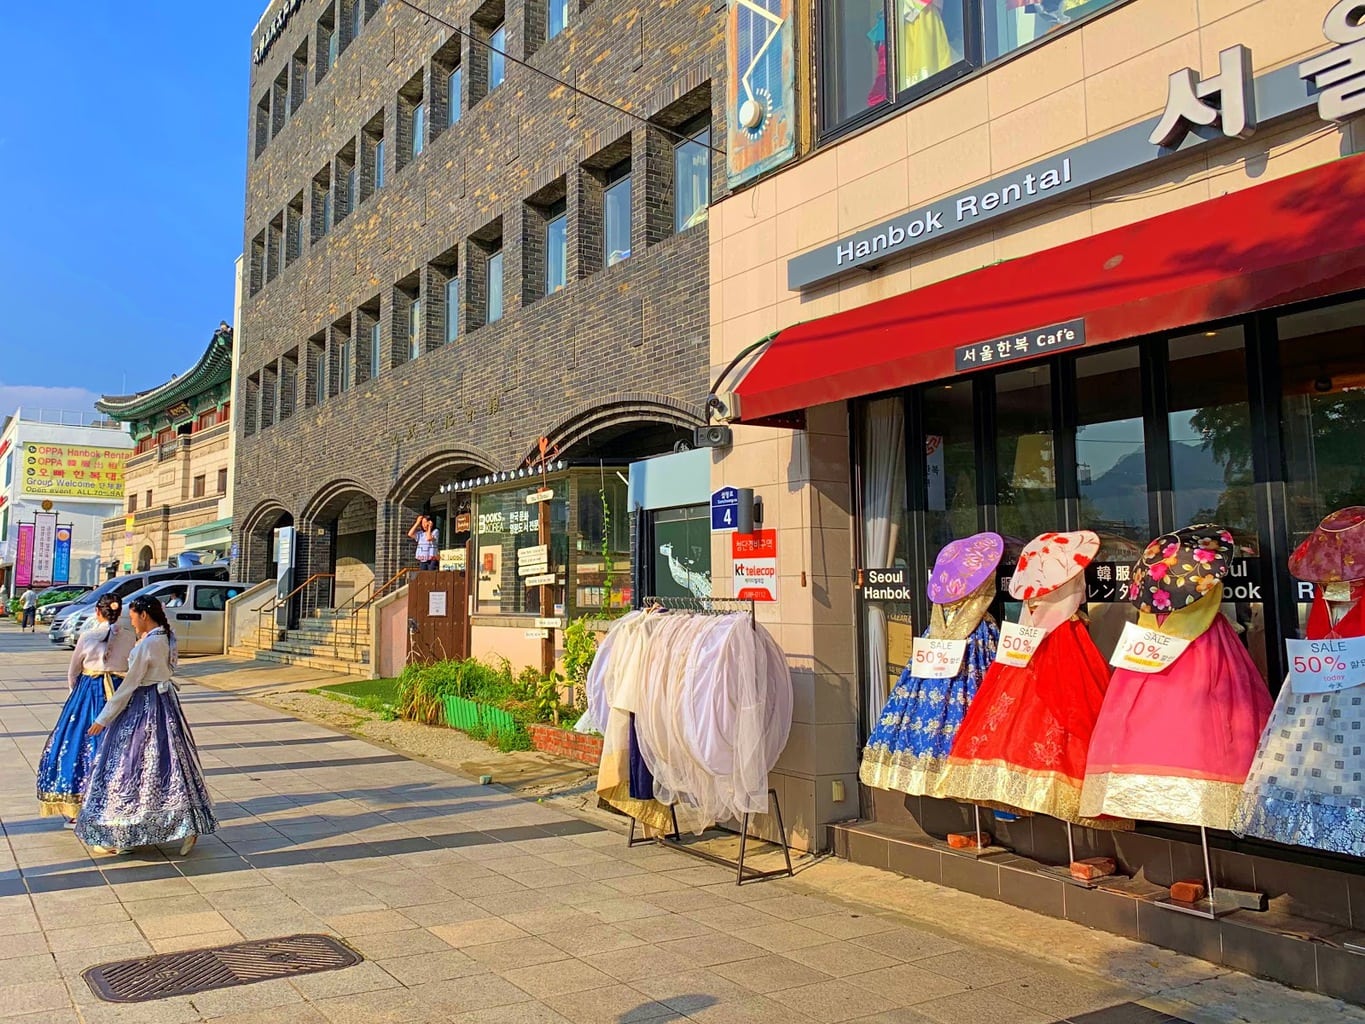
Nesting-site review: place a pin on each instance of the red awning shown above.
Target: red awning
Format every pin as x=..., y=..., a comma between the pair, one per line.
x=1297, y=238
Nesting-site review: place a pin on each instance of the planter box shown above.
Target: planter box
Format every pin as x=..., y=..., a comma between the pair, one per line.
x=465, y=714
x=566, y=743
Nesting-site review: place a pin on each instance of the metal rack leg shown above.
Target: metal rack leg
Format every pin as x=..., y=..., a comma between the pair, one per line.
x=782, y=830
x=743, y=841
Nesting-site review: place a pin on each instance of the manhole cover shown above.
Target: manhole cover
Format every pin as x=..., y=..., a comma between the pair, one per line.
x=199, y=970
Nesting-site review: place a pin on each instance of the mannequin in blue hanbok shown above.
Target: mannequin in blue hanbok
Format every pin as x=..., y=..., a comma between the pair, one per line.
x=909, y=745
x=97, y=666
x=146, y=785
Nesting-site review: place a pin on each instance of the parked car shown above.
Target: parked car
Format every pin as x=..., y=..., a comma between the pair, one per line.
x=195, y=609
x=123, y=586
x=69, y=593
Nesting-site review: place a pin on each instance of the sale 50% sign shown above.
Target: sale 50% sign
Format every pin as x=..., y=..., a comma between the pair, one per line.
x=1326, y=666
x=1146, y=650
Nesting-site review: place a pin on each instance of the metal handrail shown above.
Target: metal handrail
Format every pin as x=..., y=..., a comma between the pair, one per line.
x=373, y=594
x=278, y=602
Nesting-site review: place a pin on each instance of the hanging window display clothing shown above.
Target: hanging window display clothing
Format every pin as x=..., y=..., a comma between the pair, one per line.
x=923, y=49
x=1175, y=745
x=1024, y=741
x=909, y=745
x=1305, y=786
x=877, y=37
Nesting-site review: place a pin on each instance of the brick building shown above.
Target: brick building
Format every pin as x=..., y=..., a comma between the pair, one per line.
x=450, y=256
x=176, y=478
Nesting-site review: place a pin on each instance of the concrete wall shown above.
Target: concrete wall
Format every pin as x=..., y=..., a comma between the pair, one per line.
x=1102, y=75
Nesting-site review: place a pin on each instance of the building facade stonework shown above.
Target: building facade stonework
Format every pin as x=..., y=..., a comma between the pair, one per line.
x=361, y=390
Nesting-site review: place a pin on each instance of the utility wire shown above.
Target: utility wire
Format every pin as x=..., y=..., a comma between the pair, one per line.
x=559, y=81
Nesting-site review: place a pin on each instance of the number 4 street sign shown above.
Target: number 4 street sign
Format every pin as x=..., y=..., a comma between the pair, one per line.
x=725, y=510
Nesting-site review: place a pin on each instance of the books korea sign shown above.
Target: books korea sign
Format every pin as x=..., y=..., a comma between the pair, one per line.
x=755, y=556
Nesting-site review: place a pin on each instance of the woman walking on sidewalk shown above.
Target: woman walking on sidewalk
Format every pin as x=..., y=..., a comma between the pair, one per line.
x=146, y=786
x=97, y=667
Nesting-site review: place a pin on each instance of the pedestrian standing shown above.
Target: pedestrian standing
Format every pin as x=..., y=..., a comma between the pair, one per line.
x=98, y=665
x=146, y=784
x=428, y=539
x=30, y=605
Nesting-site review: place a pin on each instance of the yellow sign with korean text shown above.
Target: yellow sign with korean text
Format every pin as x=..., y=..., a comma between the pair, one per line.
x=73, y=471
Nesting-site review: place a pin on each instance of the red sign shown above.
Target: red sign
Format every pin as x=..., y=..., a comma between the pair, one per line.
x=755, y=556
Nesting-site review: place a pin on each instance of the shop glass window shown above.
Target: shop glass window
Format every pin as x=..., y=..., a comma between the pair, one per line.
x=1026, y=469
x=950, y=508
x=601, y=571
x=1111, y=453
x=504, y=524
x=616, y=214
x=681, y=561
x=1011, y=24
x=1210, y=427
x=885, y=539
x=1323, y=409
x=494, y=287
x=497, y=60
x=452, y=309
x=556, y=249
x=1211, y=459
x=1111, y=480
x=557, y=18
x=692, y=178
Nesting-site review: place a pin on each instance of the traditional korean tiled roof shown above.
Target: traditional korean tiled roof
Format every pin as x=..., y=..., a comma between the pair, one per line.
x=213, y=369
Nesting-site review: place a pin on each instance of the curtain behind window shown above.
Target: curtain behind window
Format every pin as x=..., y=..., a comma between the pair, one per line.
x=883, y=501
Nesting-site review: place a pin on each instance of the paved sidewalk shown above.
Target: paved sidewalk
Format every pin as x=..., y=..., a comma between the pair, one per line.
x=471, y=905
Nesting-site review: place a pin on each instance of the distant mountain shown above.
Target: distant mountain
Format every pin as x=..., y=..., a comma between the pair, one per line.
x=1119, y=495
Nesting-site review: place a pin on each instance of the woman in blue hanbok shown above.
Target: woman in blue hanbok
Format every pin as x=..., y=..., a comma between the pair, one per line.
x=146, y=785
x=909, y=745
x=97, y=666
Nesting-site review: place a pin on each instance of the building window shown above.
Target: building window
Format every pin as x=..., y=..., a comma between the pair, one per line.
x=352, y=189
x=149, y=499
x=357, y=17
x=132, y=503
x=327, y=211
x=419, y=119
x=557, y=18
x=222, y=481
x=616, y=214
x=322, y=203
x=878, y=54
x=452, y=309
x=376, y=354
x=692, y=177
x=497, y=63
x=494, y=287
x=454, y=90
x=328, y=42
x=379, y=164
x=345, y=353
x=200, y=486
x=556, y=248
x=415, y=327
x=206, y=420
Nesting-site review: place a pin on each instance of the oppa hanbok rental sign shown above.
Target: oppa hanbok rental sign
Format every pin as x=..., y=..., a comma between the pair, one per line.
x=755, y=556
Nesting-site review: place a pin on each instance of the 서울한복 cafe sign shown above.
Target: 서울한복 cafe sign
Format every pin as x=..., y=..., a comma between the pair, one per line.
x=1229, y=104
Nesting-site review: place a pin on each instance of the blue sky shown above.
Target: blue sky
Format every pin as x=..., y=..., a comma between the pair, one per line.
x=122, y=164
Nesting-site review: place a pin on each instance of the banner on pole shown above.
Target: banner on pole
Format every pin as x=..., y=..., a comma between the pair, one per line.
x=23, y=558
x=44, y=545
x=61, y=555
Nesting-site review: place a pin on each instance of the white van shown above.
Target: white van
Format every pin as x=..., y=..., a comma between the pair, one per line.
x=195, y=609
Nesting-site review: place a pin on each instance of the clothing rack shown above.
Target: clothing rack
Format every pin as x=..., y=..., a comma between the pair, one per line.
x=743, y=873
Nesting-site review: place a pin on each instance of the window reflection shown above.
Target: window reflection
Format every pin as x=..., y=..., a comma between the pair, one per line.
x=950, y=465
x=856, y=55
x=1026, y=477
x=929, y=39
x=1014, y=23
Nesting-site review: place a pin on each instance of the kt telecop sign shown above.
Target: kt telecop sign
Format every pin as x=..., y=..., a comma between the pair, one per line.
x=1229, y=104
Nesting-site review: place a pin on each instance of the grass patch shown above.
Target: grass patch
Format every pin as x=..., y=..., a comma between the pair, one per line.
x=377, y=695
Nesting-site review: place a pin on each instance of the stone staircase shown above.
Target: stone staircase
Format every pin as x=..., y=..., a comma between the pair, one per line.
x=323, y=641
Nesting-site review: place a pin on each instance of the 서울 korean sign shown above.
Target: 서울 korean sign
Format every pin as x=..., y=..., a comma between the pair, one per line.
x=1229, y=104
x=73, y=471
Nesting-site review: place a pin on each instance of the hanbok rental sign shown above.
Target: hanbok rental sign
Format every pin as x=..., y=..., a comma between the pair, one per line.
x=755, y=557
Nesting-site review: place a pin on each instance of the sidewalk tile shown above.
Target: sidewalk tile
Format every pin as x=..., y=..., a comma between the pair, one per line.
x=641, y=962
x=362, y=978
x=422, y=968
x=830, y=1001
x=906, y=984
x=197, y=940
x=717, y=948
x=768, y=973
x=781, y=937
x=382, y=945
x=514, y=953
x=907, y=943
x=168, y=926
x=978, y=969
x=558, y=978
x=601, y=938
x=981, y=1007
x=476, y=932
